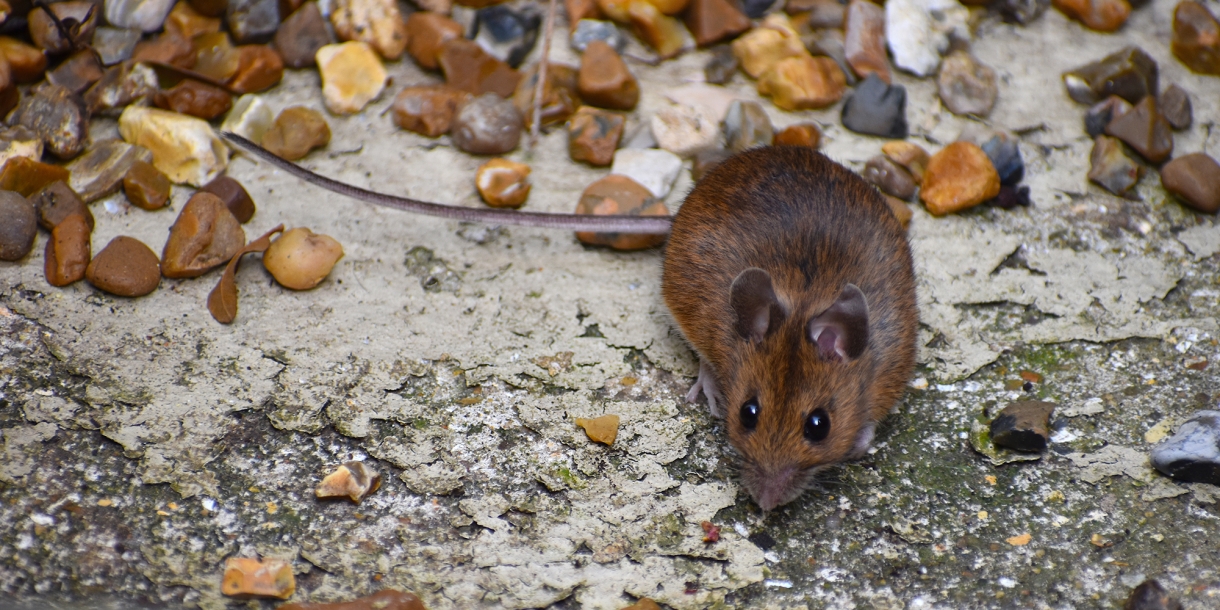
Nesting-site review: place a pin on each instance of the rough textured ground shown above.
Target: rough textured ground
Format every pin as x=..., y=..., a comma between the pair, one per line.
x=144, y=443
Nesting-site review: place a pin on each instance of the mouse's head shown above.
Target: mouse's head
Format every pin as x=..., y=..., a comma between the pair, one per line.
x=797, y=400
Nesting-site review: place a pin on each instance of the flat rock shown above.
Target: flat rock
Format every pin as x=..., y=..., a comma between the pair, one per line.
x=620, y=195
x=706, y=161
x=19, y=228
x=204, y=236
x=487, y=125
x=1110, y=167
x=352, y=76
x=99, y=172
x=1145, y=130
x=1193, y=452
x=685, y=130
x=125, y=267
x=184, y=148
x=1196, y=37
x=1023, y=426
x=1195, y=178
x=958, y=177
x=654, y=169
x=876, y=108
x=864, y=45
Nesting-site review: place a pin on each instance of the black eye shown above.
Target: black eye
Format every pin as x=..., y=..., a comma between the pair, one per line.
x=749, y=414
x=817, y=426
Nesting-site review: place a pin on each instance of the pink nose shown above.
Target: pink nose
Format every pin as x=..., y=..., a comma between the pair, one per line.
x=772, y=489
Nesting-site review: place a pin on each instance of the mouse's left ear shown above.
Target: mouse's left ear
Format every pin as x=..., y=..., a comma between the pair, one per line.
x=841, y=332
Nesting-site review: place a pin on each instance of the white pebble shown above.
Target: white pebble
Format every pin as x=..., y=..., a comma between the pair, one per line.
x=653, y=168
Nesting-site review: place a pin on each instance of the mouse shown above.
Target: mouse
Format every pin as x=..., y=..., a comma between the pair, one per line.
x=794, y=283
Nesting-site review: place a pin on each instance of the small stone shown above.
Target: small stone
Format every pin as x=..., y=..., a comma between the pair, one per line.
x=654, y=169
x=234, y=196
x=301, y=35
x=386, y=599
x=27, y=176
x=901, y=210
x=819, y=13
x=143, y=15
x=579, y=10
x=19, y=142
x=917, y=32
x=620, y=195
x=122, y=85
x=1100, y=15
x=189, y=23
x=1022, y=12
x=1129, y=73
x=877, y=109
x=296, y=131
x=1100, y=114
x=1193, y=452
x=503, y=183
x=1195, y=178
x=184, y=148
x=78, y=72
x=58, y=116
x=352, y=76
x=146, y=187
x=427, y=34
x=864, y=46
x=300, y=259
x=594, y=135
x=255, y=21
x=427, y=109
x=801, y=134
x=1150, y=595
x=57, y=201
x=68, y=251
x=1023, y=426
x=604, y=80
x=755, y=9
x=965, y=85
x=746, y=126
x=1005, y=156
x=487, y=125
x=216, y=57
x=469, y=68
x=507, y=34
x=377, y=23
x=10, y=95
x=1011, y=197
x=890, y=177
x=912, y=157
x=27, y=63
x=246, y=577
x=706, y=161
x=195, y=98
x=588, y=30
x=1110, y=166
x=711, y=21
x=353, y=480
x=19, y=228
x=958, y=177
x=1196, y=37
x=761, y=48
x=1145, y=130
x=125, y=267
x=205, y=236
x=210, y=8
x=721, y=67
x=660, y=31
x=100, y=171
x=250, y=118
x=1174, y=104
x=259, y=68
x=115, y=45
x=559, y=96
x=168, y=48
x=80, y=18
x=802, y=83
x=685, y=130
x=602, y=429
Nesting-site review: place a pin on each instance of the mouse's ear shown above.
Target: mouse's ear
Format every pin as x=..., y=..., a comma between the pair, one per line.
x=755, y=306
x=841, y=332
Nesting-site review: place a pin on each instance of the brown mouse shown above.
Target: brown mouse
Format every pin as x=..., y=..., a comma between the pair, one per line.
x=793, y=281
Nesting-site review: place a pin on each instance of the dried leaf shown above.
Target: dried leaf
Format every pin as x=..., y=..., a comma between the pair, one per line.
x=222, y=301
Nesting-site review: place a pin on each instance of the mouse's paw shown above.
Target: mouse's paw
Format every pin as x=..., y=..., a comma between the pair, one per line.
x=706, y=384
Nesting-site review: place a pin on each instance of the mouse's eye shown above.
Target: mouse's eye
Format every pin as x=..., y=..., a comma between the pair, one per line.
x=749, y=414
x=817, y=426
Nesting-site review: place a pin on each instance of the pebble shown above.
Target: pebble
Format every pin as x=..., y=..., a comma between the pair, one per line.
x=427, y=109
x=1129, y=73
x=1100, y=114
x=819, y=13
x=803, y=83
x=917, y=31
x=301, y=35
x=1150, y=595
x=77, y=73
x=660, y=31
x=1011, y=197
x=487, y=125
x=1023, y=426
x=469, y=68
x=259, y=68
x=426, y=36
x=711, y=21
x=83, y=17
x=1196, y=37
x=901, y=210
x=604, y=80
x=746, y=126
x=762, y=47
x=19, y=142
x=58, y=116
x=211, y=8
x=143, y=15
x=377, y=23
x=115, y=45
x=19, y=228
x=352, y=76
x=864, y=45
x=876, y=108
x=801, y=134
x=215, y=56
x=68, y=251
x=1145, y=130
x=234, y=196
x=386, y=599
x=1100, y=15
x=250, y=118
x=189, y=23
x=958, y=177
x=1022, y=12
x=122, y=85
x=506, y=33
x=353, y=480
x=966, y=86
x=654, y=169
x=559, y=96
x=57, y=201
x=579, y=10
x=1005, y=156
x=1193, y=452
x=184, y=148
x=1110, y=167
x=588, y=30
x=503, y=183
x=27, y=176
x=146, y=187
x=195, y=98
x=620, y=195
x=890, y=177
x=685, y=130
x=168, y=48
x=205, y=236
x=1174, y=104
x=253, y=21
x=912, y=157
x=125, y=267
x=296, y=131
x=28, y=63
x=721, y=66
x=755, y=9
x=1195, y=178
x=594, y=135
x=100, y=171
x=267, y=577
x=300, y=259
x=602, y=429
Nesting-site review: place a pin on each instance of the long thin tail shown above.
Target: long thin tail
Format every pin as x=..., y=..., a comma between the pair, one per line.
x=570, y=222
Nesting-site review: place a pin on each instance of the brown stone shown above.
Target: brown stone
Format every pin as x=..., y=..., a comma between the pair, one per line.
x=959, y=177
x=1100, y=114
x=353, y=480
x=1145, y=130
x=620, y=195
x=426, y=36
x=901, y=210
x=301, y=35
x=912, y=157
x=966, y=86
x=1110, y=167
x=27, y=176
x=819, y=13
x=503, y=183
x=125, y=267
x=387, y=599
x=19, y=142
x=300, y=259
x=487, y=125
x=711, y=21
x=1174, y=104
x=146, y=187
x=58, y=116
x=801, y=83
x=801, y=134
x=234, y=196
x=707, y=160
x=20, y=226
x=1129, y=73
x=594, y=135
x=246, y=577
x=864, y=45
x=205, y=236
x=469, y=68
x=10, y=95
x=662, y=32
x=78, y=72
x=68, y=251
x=259, y=68
x=890, y=177
x=195, y=98
x=602, y=429
x=27, y=63
x=1196, y=37
x=168, y=48
x=122, y=85
x=604, y=79
x=615, y=9
x=296, y=131
x=721, y=66
x=427, y=109
x=216, y=57
x=83, y=17
x=209, y=8
x=1100, y=15
x=100, y=170
x=189, y=23
x=1195, y=178
x=57, y=201
x=581, y=9
x=559, y=96
x=377, y=23
x=761, y=48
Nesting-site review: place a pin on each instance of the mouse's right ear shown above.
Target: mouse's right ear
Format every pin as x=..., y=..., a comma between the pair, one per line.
x=841, y=332
x=756, y=308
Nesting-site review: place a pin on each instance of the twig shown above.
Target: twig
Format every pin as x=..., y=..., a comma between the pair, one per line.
x=536, y=125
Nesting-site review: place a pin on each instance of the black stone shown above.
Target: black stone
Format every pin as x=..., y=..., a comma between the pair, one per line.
x=877, y=109
x=1023, y=426
x=1005, y=155
x=1012, y=197
x=1193, y=452
x=1150, y=595
x=762, y=540
x=1130, y=74
x=755, y=9
x=507, y=34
